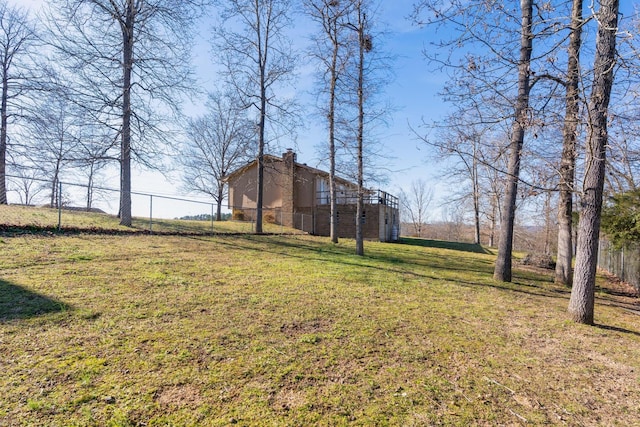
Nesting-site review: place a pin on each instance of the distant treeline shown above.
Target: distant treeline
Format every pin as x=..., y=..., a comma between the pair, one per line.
x=205, y=217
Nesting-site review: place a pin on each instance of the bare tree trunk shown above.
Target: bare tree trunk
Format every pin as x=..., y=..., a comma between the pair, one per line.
x=492, y=231
x=3, y=137
x=476, y=196
x=262, y=63
x=90, y=187
x=125, y=149
x=547, y=223
x=53, y=199
x=333, y=221
x=502, y=271
x=260, y=183
x=331, y=14
x=55, y=186
x=564, y=274
x=581, y=303
x=219, y=201
x=360, y=137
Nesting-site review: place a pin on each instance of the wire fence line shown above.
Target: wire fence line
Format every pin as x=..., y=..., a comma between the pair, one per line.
x=276, y=217
x=623, y=262
x=149, y=208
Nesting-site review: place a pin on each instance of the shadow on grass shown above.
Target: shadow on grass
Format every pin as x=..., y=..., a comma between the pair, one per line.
x=345, y=256
x=17, y=302
x=617, y=329
x=441, y=244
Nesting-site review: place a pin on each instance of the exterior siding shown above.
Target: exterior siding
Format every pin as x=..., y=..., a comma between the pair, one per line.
x=291, y=199
x=243, y=188
x=305, y=193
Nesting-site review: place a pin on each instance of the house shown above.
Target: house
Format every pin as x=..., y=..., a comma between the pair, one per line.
x=296, y=195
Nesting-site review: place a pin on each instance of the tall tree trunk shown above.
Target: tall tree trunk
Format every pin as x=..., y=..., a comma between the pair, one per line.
x=581, y=303
x=502, y=271
x=492, y=231
x=564, y=274
x=3, y=138
x=360, y=137
x=476, y=196
x=125, y=149
x=262, y=63
x=547, y=223
x=53, y=198
x=333, y=221
x=90, y=187
x=260, y=182
x=219, y=201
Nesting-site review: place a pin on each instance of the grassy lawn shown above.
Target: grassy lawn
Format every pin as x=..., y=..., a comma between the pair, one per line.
x=135, y=330
x=46, y=218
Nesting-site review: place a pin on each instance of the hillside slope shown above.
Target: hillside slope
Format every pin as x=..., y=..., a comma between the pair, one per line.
x=291, y=330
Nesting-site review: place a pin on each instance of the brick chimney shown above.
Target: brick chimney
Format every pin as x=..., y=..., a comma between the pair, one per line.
x=288, y=187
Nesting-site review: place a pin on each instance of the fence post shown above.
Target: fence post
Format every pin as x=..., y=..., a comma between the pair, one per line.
x=150, y=213
x=59, y=205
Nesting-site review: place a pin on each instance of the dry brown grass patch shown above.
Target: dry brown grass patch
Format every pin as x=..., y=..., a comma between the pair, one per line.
x=179, y=395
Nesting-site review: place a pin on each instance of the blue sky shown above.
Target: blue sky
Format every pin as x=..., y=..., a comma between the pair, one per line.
x=412, y=93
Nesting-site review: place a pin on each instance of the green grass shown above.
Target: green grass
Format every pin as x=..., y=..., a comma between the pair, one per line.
x=133, y=330
x=457, y=246
x=19, y=218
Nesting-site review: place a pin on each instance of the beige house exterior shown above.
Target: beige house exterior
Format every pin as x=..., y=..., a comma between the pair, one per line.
x=296, y=195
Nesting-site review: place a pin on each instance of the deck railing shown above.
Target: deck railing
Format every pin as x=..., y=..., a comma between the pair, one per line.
x=350, y=197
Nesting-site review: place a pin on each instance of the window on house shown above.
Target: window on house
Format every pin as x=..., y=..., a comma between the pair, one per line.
x=322, y=191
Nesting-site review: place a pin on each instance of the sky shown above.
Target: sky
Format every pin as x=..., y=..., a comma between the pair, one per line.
x=412, y=93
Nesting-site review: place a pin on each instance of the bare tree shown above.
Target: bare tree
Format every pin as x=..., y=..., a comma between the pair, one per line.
x=217, y=143
x=366, y=75
x=492, y=183
x=502, y=270
x=331, y=51
x=416, y=202
x=361, y=26
x=564, y=272
x=461, y=140
x=494, y=72
x=53, y=135
x=27, y=185
x=581, y=303
x=17, y=38
x=258, y=60
x=453, y=217
x=94, y=145
x=126, y=61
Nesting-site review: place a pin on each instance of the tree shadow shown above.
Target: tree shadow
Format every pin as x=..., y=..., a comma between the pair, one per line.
x=527, y=281
x=617, y=329
x=441, y=244
x=17, y=303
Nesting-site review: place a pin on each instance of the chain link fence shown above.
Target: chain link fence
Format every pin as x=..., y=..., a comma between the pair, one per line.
x=70, y=205
x=623, y=262
x=274, y=218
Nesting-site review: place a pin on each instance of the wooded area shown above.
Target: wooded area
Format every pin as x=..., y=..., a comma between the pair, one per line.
x=527, y=91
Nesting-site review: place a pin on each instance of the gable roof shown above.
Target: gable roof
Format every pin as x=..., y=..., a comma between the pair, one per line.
x=272, y=158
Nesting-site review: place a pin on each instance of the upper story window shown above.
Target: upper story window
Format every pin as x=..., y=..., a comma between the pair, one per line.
x=322, y=191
